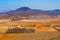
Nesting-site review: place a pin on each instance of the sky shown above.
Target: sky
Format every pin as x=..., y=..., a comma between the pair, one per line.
x=6, y=5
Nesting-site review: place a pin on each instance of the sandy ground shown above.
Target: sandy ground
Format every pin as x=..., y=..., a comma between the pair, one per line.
x=42, y=35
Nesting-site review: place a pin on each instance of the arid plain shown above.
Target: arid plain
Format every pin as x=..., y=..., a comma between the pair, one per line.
x=44, y=29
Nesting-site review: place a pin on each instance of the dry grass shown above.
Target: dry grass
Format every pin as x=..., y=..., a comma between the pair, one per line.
x=48, y=34
x=45, y=35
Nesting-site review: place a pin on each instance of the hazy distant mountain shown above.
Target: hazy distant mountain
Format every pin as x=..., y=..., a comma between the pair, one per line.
x=27, y=12
x=23, y=9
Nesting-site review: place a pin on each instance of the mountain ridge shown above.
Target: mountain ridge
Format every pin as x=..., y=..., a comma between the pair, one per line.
x=28, y=12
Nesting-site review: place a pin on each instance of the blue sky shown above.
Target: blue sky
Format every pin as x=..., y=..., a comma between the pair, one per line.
x=6, y=5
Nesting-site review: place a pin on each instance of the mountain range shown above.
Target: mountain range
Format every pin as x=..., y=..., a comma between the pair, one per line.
x=28, y=13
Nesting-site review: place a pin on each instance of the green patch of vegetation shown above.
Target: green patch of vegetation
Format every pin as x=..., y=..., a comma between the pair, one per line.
x=18, y=30
x=15, y=30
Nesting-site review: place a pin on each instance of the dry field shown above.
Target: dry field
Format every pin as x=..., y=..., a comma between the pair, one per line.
x=43, y=35
x=43, y=30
